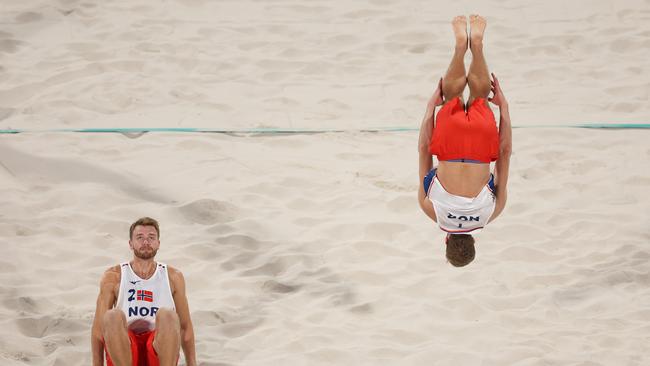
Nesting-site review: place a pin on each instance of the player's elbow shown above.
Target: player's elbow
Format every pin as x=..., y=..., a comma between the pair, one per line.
x=423, y=147
x=505, y=150
x=187, y=334
x=188, y=338
x=421, y=205
x=502, y=199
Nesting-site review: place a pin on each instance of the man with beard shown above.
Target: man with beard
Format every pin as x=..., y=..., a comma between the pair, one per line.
x=142, y=316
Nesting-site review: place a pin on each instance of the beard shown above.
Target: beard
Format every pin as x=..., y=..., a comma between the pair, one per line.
x=146, y=253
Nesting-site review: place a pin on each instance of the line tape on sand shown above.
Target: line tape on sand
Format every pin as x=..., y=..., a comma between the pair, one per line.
x=271, y=131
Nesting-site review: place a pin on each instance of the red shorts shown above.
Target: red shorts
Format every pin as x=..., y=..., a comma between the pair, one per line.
x=142, y=351
x=459, y=135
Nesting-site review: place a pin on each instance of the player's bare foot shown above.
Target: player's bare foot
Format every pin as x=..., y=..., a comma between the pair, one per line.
x=459, y=24
x=477, y=26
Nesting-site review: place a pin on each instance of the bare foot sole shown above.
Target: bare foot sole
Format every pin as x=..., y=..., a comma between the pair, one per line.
x=477, y=26
x=459, y=24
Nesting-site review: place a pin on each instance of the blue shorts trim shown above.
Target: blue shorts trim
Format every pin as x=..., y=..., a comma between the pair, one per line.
x=491, y=184
x=428, y=179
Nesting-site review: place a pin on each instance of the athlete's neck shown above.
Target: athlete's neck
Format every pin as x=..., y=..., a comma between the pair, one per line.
x=144, y=268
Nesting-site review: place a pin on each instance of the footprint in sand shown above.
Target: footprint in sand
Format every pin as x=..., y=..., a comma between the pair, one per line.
x=9, y=45
x=208, y=211
x=278, y=287
x=28, y=17
x=40, y=327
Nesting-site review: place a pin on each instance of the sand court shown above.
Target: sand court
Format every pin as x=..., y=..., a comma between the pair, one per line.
x=305, y=256
x=309, y=249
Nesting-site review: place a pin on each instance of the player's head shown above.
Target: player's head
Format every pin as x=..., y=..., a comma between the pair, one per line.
x=144, y=236
x=460, y=249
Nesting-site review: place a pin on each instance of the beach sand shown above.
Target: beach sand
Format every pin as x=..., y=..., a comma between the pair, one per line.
x=310, y=249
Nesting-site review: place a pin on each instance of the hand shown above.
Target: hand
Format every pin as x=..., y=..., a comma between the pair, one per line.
x=497, y=94
x=436, y=98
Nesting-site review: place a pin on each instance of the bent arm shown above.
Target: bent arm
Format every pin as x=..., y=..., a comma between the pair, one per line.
x=105, y=301
x=425, y=161
x=502, y=167
x=183, y=311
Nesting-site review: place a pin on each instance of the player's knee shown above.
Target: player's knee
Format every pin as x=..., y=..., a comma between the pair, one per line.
x=114, y=319
x=453, y=88
x=478, y=86
x=167, y=318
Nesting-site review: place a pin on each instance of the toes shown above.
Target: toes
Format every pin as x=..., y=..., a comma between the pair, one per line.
x=476, y=18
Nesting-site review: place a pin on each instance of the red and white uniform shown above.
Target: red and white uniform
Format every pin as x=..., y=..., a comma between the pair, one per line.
x=141, y=299
x=461, y=215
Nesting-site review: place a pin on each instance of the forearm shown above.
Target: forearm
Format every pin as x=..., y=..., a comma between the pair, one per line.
x=426, y=129
x=505, y=130
x=187, y=342
x=505, y=147
x=97, y=349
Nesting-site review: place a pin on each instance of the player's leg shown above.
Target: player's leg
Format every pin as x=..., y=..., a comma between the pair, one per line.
x=116, y=337
x=167, y=340
x=478, y=76
x=455, y=79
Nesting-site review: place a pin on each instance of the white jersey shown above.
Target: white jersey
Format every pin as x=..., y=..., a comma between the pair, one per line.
x=461, y=215
x=140, y=299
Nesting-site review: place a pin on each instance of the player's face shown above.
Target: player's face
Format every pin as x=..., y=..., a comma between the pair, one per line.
x=144, y=242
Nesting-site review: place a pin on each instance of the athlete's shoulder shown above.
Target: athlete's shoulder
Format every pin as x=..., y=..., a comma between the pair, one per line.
x=174, y=273
x=176, y=280
x=113, y=271
x=111, y=277
x=116, y=268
